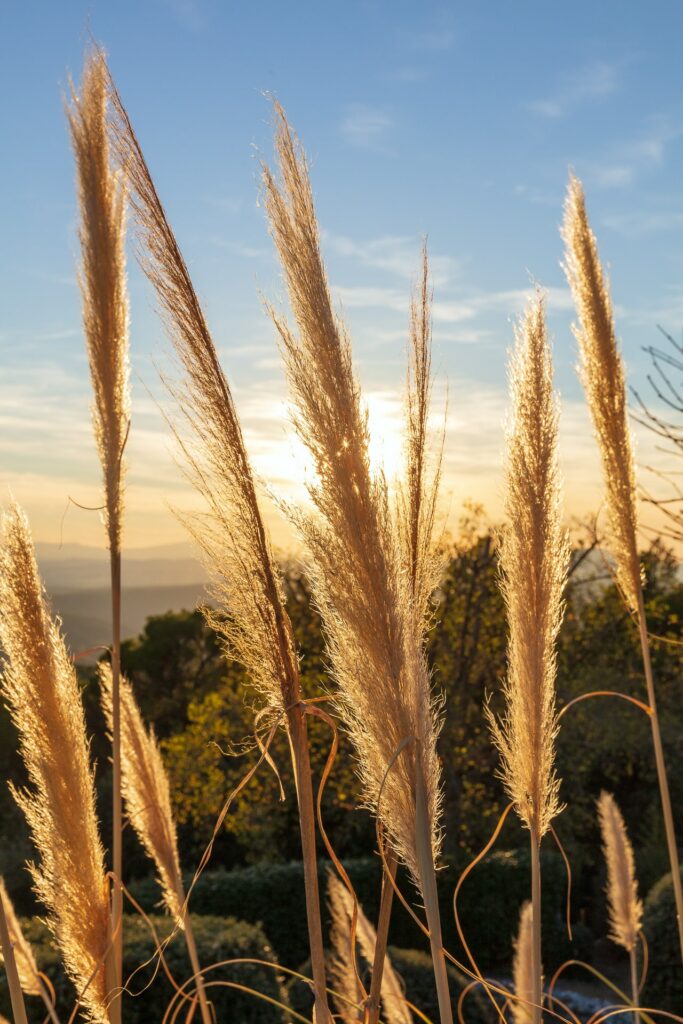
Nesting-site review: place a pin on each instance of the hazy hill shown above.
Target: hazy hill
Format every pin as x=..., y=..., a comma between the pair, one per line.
x=155, y=580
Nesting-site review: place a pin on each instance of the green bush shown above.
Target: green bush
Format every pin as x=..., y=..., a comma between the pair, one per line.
x=416, y=971
x=218, y=938
x=664, y=987
x=489, y=903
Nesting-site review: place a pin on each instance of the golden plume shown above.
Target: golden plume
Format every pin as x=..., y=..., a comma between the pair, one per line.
x=102, y=198
x=246, y=583
x=357, y=565
x=23, y=954
x=382, y=676
x=625, y=908
x=602, y=375
x=146, y=792
x=419, y=492
x=534, y=561
x=40, y=686
x=342, y=967
x=522, y=971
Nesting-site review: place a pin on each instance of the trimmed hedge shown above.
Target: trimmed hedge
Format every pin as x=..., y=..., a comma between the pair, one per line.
x=489, y=903
x=217, y=939
x=664, y=988
x=416, y=971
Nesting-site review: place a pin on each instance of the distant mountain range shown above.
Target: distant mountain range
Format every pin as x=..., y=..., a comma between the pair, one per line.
x=155, y=580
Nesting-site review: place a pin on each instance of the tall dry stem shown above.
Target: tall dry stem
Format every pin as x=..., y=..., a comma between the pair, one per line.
x=602, y=374
x=102, y=201
x=534, y=561
x=374, y=634
x=148, y=804
x=246, y=583
x=343, y=969
x=41, y=690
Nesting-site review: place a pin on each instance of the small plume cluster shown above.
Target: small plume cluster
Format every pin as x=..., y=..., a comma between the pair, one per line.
x=625, y=908
x=23, y=954
x=534, y=560
x=146, y=791
x=522, y=967
x=41, y=690
x=343, y=963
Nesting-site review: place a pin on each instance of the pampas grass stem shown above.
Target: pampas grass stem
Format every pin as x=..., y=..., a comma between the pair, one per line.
x=603, y=377
x=102, y=200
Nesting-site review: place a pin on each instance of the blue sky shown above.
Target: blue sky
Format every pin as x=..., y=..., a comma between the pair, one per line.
x=458, y=120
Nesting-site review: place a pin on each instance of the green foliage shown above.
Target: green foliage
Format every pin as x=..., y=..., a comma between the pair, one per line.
x=217, y=938
x=664, y=988
x=272, y=895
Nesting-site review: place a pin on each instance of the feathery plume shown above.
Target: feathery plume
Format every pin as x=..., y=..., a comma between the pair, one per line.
x=102, y=199
x=534, y=560
x=23, y=954
x=357, y=568
x=602, y=375
x=342, y=967
x=625, y=908
x=146, y=791
x=246, y=582
x=419, y=492
x=382, y=676
x=522, y=970
x=40, y=686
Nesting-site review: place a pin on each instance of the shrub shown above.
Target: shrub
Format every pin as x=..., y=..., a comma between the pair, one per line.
x=273, y=895
x=664, y=987
x=218, y=938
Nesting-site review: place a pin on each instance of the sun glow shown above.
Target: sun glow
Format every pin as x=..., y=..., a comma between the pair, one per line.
x=287, y=464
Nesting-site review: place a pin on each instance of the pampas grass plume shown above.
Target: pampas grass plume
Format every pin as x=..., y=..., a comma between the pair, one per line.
x=625, y=908
x=356, y=571
x=23, y=954
x=146, y=792
x=342, y=967
x=603, y=378
x=102, y=199
x=522, y=970
x=534, y=560
x=40, y=687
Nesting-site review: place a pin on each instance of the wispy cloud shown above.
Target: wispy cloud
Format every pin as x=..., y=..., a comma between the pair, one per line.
x=396, y=254
x=366, y=126
x=635, y=223
x=590, y=82
x=627, y=160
